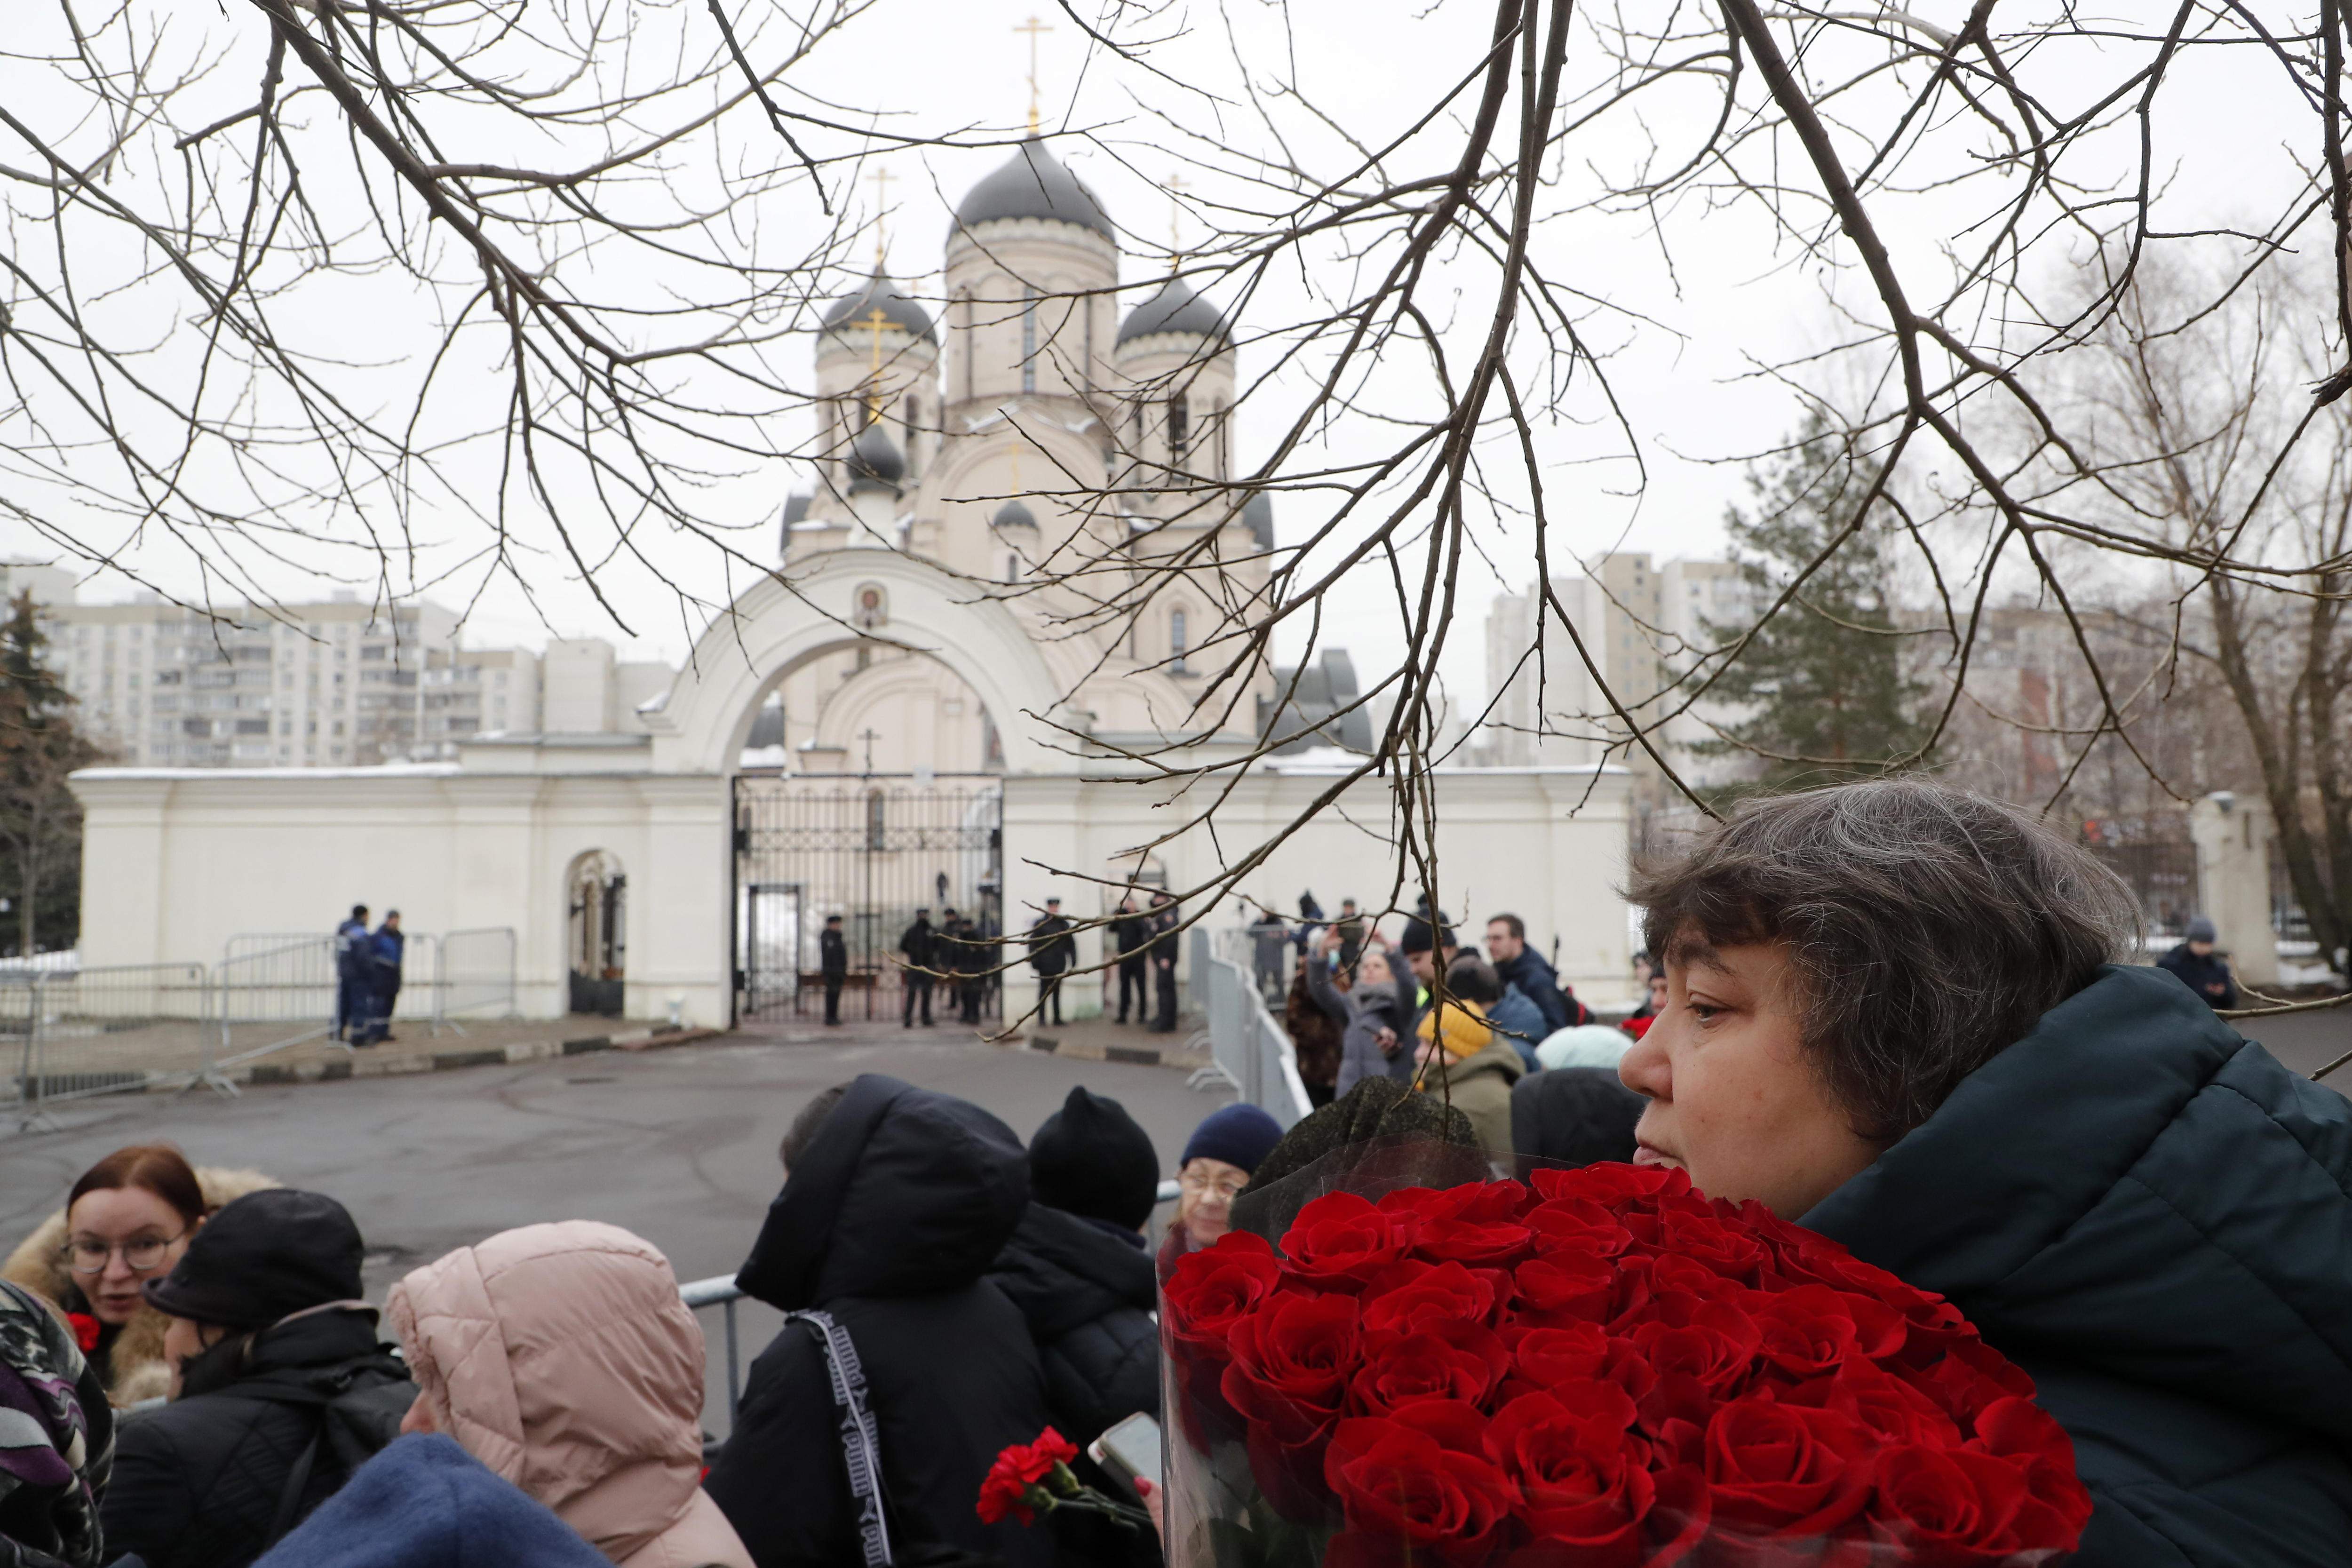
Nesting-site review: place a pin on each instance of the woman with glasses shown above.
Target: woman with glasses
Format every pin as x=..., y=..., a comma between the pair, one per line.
x=128, y=1220
x=1218, y=1160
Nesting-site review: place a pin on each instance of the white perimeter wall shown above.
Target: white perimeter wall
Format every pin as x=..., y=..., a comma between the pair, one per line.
x=177, y=861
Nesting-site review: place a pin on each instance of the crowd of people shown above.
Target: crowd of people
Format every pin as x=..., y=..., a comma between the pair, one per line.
x=367, y=977
x=1902, y=1017
x=1480, y=1032
x=212, y=1390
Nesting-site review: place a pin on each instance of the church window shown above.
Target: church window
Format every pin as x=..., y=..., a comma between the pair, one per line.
x=1176, y=643
x=964, y=308
x=1180, y=431
x=1223, y=439
x=876, y=820
x=1012, y=568
x=1028, y=338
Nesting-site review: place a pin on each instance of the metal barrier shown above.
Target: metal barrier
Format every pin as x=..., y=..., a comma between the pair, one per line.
x=83, y=1032
x=719, y=1291
x=1249, y=1052
x=474, y=974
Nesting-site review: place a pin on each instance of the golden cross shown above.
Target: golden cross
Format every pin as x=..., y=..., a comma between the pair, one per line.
x=881, y=178
x=874, y=321
x=1033, y=27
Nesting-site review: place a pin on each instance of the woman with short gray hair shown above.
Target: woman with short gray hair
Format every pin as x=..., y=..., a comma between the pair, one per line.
x=1898, y=1015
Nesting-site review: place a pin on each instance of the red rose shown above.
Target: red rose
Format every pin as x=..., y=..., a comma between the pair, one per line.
x=1968, y=1378
x=1951, y=1508
x=1291, y=1363
x=1213, y=1289
x=1341, y=1240
x=1584, y=1474
x=1567, y=1287
x=1724, y=1249
x=1610, y=1184
x=1456, y=1360
x=1412, y=1296
x=1886, y=1404
x=1569, y=1354
x=1713, y=1342
x=1577, y=1225
x=85, y=1331
x=1408, y=1498
x=1786, y=1469
x=1812, y=1330
x=2022, y=1434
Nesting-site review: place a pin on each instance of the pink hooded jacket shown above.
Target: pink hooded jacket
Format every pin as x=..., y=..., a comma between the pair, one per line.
x=561, y=1356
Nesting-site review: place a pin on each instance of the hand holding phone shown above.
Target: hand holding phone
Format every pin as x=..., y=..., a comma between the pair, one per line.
x=1128, y=1450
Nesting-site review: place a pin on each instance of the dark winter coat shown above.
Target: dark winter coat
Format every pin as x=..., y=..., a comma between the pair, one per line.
x=2150, y=1215
x=1087, y=1290
x=889, y=1222
x=832, y=954
x=1362, y=1014
x=1540, y=983
x=2198, y=970
x=1315, y=1034
x=197, y=1482
x=1128, y=931
x=1051, y=948
x=425, y=1502
x=355, y=953
x=387, y=948
x=1575, y=1116
x=1520, y=1024
x=916, y=944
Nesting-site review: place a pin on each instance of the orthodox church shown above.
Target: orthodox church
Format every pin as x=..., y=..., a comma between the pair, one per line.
x=1043, y=424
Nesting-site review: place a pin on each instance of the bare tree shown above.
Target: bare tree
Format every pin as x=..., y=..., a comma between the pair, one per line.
x=1430, y=365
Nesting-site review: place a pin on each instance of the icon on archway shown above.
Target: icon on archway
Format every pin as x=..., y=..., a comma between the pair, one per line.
x=872, y=610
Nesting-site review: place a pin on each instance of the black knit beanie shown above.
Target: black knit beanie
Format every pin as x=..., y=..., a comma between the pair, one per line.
x=1090, y=1158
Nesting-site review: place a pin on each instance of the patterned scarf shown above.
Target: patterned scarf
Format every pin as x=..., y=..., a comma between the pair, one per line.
x=52, y=1467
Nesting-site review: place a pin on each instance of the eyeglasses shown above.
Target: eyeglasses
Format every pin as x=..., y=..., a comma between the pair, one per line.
x=1227, y=1187
x=145, y=1254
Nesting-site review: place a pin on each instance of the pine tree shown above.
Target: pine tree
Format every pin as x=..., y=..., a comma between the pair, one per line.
x=40, y=822
x=1823, y=682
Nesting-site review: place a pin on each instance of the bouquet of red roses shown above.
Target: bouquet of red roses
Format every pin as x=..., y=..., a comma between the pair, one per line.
x=1597, y=1369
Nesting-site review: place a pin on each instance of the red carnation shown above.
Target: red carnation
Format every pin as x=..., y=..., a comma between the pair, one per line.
x=85, y=1331
x=1019, y=1470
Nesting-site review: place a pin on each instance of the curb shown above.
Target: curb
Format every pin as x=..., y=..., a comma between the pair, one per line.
x=660, y=1036
x=1086, y=1051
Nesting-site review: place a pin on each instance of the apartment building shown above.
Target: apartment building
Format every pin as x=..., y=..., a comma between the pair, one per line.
x=1643, y=625
x=331, y=684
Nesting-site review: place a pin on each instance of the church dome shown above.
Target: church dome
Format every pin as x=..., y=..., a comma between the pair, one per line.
x=1175, y=309
x=1032, y=183
x=849, y=314
x=875, y=460
x=1012, y=514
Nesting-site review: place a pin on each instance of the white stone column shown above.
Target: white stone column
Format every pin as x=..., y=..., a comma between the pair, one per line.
x=2233, y=881
x=678, y=903
x=1042, y=829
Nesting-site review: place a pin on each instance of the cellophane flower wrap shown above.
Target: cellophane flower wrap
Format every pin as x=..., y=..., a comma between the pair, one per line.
x=1594, y=1368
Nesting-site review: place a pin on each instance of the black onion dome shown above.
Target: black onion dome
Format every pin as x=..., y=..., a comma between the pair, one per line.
x=875, y=458
x=1175, y=309
x=1032, y=183
x=848, y=314
x=1012, y=514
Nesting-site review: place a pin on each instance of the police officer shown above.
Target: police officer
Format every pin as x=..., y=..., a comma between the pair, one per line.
x=832, y=962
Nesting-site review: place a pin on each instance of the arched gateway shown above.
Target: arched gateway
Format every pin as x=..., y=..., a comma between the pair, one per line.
x=831, y=834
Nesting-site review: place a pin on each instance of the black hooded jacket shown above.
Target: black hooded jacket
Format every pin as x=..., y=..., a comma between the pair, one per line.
x=1088, y=1293
x=198, y=1483
x=2154, y=1219
x=889, y=1222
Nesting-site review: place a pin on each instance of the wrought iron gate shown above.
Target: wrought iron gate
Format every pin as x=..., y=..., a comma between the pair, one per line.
x=872, y=848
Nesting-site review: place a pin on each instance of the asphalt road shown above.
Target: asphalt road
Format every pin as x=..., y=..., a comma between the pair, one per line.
x=677, y=1145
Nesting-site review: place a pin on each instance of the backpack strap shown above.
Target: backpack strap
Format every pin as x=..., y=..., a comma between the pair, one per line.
x=861, y=1445
x=290, y=1499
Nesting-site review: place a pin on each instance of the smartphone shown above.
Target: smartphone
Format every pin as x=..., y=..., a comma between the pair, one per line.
x=1129, y=1449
